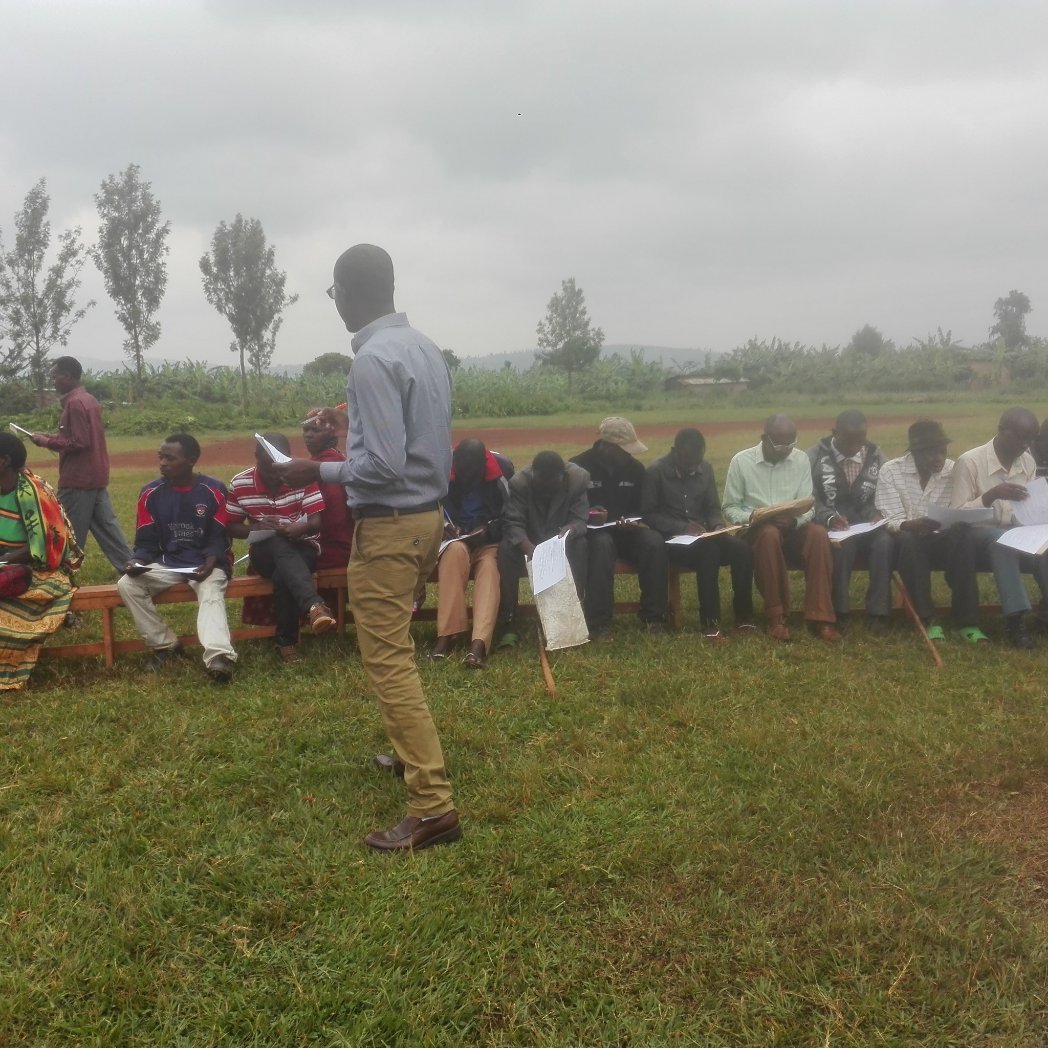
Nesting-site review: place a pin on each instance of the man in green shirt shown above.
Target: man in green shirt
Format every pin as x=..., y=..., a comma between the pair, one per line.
x=772, y=473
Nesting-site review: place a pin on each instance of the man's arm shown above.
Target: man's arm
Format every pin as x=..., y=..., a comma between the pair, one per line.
x=578, y=505
x=890, y=500
x=734, y=507
x=515, y=522
x=653, y=508
x=712, y=514
x=76, y=434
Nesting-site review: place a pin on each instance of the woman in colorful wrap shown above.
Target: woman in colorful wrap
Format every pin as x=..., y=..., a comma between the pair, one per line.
x=38, y=552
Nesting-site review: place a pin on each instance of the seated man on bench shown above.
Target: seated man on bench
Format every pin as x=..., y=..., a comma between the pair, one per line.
x=181, y=537
x=281, y=525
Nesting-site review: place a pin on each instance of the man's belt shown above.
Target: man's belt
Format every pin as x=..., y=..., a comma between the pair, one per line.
x=363, y=512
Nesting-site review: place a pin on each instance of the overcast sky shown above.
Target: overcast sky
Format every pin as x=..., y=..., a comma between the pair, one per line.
x=707, y=172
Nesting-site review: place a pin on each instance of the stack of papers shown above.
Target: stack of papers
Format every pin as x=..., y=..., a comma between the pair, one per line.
x=855, y=529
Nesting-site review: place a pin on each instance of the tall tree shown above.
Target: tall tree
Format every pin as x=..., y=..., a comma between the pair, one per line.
x=242, y=282
x=132, y=257
x=1010, y=326
x=869, y=342
x=567, y=340
x=37, y=306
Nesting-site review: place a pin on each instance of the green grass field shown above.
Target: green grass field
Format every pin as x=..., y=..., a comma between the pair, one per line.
x=753, y=845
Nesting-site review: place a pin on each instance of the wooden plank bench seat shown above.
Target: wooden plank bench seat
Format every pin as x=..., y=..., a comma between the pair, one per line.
x=106, y=599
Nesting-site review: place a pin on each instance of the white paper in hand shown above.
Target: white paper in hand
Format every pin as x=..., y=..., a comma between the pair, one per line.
x=274, y=453
x=1034, y=508
x=549, y=563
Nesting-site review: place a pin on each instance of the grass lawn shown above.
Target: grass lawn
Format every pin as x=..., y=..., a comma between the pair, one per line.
x=753, y=845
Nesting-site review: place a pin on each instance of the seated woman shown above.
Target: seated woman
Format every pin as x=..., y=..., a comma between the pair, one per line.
x=39, y=552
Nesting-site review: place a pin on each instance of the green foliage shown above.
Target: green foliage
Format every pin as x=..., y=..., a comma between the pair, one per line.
x=132, y=257
x=242, y=282
x=1010, y=325
x=37, y=303
x=869, y=342
x=612, y=383
x=567, y=340
x=329, y=364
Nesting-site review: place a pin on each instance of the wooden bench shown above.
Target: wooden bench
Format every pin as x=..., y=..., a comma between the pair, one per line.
x=106, y=599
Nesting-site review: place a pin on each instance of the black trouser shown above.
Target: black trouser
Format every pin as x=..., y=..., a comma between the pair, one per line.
x=644, y=549
x=951, y=551
x=511, y=567
x=290, y=565
x=705, y=557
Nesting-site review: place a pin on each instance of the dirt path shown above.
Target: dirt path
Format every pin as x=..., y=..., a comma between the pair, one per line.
x=239, y=452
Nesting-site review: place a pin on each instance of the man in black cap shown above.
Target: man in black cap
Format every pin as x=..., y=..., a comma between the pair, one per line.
x=906, y=490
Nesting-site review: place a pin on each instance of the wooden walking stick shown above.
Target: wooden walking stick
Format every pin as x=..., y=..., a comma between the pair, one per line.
x=547, y=673
x=907, y=606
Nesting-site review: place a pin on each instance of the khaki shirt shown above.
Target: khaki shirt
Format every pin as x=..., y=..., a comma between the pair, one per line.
x=980, y=469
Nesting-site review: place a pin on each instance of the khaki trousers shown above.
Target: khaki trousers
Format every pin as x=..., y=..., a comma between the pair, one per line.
x=136, y=591
x=392, y=557
x=453, y=571
x=811, y=545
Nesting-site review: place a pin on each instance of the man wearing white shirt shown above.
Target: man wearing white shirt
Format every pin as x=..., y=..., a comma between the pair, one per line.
x=994, y=476
x=907, y=488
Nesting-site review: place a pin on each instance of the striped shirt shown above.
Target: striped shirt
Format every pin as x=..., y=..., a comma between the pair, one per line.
x=754, y=482
x=250, y=498
x=900, y=496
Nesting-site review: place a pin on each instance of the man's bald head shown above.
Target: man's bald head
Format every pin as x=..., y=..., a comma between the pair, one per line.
x=1016, y=431
x=363, y=285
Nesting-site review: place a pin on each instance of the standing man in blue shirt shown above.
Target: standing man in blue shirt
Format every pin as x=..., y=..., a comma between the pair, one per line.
x=398, y=460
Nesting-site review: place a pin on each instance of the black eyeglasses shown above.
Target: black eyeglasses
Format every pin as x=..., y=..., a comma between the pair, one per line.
x=331, y=291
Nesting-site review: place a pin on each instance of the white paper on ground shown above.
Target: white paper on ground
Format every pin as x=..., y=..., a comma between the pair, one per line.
x=549, y=563
x=948, y=517
x=1030, y=539
x=274, y=453
x=1034, y=508
x=855, y=529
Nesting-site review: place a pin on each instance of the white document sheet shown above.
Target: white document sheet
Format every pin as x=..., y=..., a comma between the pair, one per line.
x=855, y=529
x=1034, y=508
x=1031, y=539
x=164, y=567
x=682, y=540
x=946, y=516
x=274, y=453
x=549, y=564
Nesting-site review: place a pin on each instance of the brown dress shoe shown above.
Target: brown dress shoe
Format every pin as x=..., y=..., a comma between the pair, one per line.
x=779, y=631
x=414, y=834
x=320, y=618
x=828, y=632
x=384, y=762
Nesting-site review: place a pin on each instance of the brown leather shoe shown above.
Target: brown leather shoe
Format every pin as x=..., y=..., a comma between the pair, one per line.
x=384, y=762
x=828, y=632
x=779, y=631
x=414, y=834
x=320, y=618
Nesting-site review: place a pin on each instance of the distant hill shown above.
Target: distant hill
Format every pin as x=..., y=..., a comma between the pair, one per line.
x=667, y=356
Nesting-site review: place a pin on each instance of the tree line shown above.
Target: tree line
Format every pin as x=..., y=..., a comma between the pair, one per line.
x=38, y=297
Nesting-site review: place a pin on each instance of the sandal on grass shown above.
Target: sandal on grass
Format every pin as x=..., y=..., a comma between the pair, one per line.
x=474, y=659
x=936, y=633
x=508, y=640
x=972, y=634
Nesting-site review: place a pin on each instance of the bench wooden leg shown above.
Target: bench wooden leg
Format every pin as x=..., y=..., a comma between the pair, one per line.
x=673, y=599
x=108, y=637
